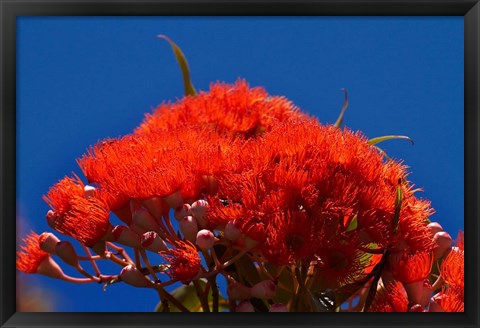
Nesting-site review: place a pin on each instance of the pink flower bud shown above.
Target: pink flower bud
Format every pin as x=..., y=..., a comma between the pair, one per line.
x=427, y=292
x=174, y=200
x=205, y=239
x=265, y=289
x=152, y=241
x=237, y=291
x=144, y=220
x=154, y=206
x=67, y=253
x=250, y=243
x=48, y=267
x=232, y=233
x=100, y=248
x=47, y=242
x=132, y=276
x=199, y=210
x=414, y=291
x=189, y=228
x=89, y=191
x=278, y=307
x=51, y=218
x=434, y=306
x=182, y=211
x=126, y=236
x=244, y=306
x=416, y=308
x=443, y=241
x=434, y=227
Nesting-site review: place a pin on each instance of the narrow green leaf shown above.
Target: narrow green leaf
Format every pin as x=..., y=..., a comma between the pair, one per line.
x=398, y=207
x=187, y=83
x=377, y=140
x=353, y=224
x=339, y=121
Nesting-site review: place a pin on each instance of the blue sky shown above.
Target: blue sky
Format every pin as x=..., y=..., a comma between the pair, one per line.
x=80, y=80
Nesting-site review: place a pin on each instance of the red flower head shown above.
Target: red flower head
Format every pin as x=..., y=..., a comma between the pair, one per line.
x=30, y=255
x=450, y=300
x=390, y=298
x=412, y=267
x=453, y=269
x=184, y=261
x=290, y=238
x=341, y=262
x=237, y=108
x=83, y=218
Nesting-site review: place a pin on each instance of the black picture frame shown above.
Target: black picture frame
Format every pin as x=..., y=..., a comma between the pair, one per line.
x=10, y=9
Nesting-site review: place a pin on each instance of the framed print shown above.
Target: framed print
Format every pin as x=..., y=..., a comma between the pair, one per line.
x=214, y=157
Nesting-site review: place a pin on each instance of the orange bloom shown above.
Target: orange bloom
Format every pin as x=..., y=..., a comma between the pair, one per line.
x=412, y=267
x=30, y=255
x=341, y=262
x=290, y=238
x=450, y=300
x=184, y=261
x=83, y=218
x=453, y=269
x=236, y=107
x=390, y=298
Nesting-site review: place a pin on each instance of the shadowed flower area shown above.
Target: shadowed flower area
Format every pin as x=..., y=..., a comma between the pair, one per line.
x=235, y=183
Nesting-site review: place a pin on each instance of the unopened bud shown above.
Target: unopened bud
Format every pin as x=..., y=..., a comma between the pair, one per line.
x=189, y=227
x=278, y=307
x=144, y=220
x=174, y=200
x=199, y=211
x=126, y=236
x=245, y=306
x=427, y=292
x=416, y=308
x=264, y=290
x=205, y=239
x=238, y=291
x=443, y=241
x=51, y=219
x=67, y=253
x=182, y=211
x=152, y=241
x=154, y=206
x=100, y=248
x=250, y=243
x=232, y=233
x=433, y=305
x=48, y=267
x=414, y=291
x=47, y=242
x=89, y=191
x=434, y=227
x=132, y=276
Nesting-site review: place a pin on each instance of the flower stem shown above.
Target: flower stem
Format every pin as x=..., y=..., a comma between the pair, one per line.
x=201, y=296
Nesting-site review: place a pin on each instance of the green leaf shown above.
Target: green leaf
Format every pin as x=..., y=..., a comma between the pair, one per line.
x=377, y=140
x=339, y=121
x=398, y=207
x=353, y=224
x=187, y=295
x=187, y=83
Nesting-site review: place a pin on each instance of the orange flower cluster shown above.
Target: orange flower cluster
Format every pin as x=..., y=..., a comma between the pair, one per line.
x=264, y=179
